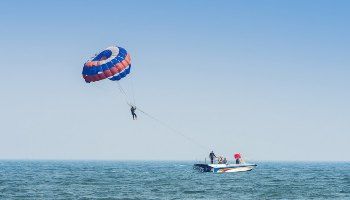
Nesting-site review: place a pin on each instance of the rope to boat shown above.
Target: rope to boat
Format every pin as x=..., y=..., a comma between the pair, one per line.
x=172, y=129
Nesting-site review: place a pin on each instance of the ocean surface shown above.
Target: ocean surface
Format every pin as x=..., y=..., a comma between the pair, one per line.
x=170, y=180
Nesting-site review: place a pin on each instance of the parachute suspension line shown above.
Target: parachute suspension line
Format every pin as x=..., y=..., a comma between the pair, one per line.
x=124, y=94
x=173, y=130
x=101, y=88
x=121, y=89
x=132, y=86
x=129, y=100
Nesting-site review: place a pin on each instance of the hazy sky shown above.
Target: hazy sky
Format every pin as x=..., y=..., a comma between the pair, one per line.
x=269, y=79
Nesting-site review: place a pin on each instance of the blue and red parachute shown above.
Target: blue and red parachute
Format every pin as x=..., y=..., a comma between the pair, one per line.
x=113, y=63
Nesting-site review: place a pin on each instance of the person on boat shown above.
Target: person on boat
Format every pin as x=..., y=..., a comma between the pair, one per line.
x=212, y=156
x=133, y=109
x=222, y=160
x=238, y=158
x=238, y=161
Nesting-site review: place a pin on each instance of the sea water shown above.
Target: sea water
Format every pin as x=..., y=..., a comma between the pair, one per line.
x=171, y=180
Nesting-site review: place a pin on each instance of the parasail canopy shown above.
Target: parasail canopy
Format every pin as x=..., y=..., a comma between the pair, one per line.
x=113, y=63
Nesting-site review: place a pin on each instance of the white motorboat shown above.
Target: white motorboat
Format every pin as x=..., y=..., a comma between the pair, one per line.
x=224, y=168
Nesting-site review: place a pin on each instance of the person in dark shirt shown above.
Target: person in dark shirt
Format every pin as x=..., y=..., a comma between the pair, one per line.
x=238, y=161
x=212, y=156
x=133, y=109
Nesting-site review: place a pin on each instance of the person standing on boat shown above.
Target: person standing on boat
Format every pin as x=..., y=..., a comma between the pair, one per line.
x=238, y=158
x=212, y=156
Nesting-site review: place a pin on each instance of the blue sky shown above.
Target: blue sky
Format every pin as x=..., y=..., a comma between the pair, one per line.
x=269, y=79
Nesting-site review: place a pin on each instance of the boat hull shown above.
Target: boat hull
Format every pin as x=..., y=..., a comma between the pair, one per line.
x=224, y=168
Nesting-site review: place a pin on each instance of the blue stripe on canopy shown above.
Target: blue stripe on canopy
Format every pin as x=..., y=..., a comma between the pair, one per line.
x=121, y=75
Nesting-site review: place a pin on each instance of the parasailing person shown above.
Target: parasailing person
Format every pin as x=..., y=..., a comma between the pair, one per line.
x=133, y=109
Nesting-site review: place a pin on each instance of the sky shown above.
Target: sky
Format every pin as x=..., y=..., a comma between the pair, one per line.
x=269, y=79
